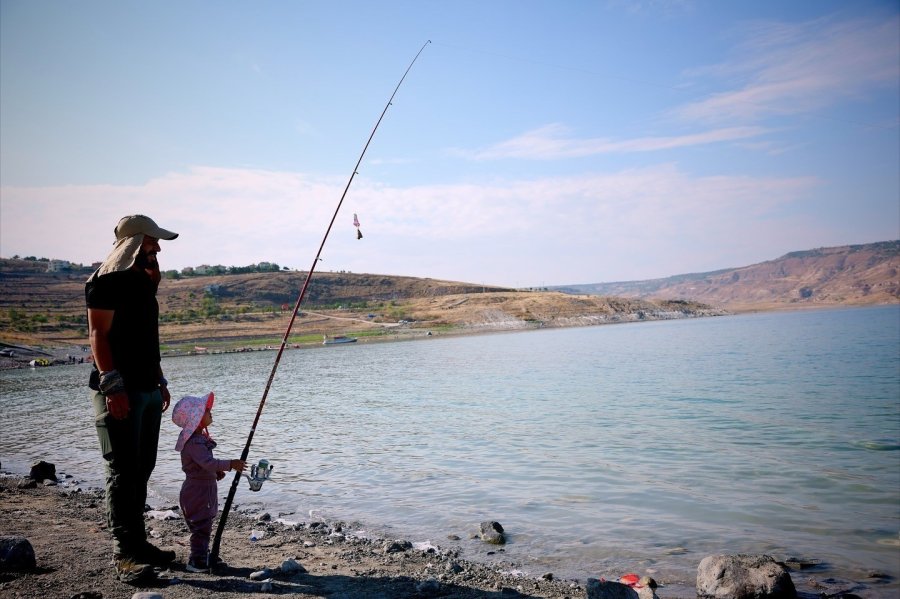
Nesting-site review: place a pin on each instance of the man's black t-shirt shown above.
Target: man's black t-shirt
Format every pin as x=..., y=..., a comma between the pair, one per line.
x=134, y=336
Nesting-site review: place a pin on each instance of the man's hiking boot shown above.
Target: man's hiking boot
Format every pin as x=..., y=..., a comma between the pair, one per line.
x=151, y=554
x=130, y=571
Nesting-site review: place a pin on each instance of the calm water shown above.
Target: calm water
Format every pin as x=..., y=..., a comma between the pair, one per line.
x=638, y=447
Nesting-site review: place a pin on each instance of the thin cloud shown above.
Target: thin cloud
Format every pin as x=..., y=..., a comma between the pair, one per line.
x=553, y=142
x=239, y=217
x=789, y=69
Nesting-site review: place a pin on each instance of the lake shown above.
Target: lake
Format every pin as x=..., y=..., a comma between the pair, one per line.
x=601, y=450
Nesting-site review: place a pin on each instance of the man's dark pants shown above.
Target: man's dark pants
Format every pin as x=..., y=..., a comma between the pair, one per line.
x=129, y=448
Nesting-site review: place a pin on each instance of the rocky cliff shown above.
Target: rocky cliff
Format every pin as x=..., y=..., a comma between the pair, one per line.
x=847, y=275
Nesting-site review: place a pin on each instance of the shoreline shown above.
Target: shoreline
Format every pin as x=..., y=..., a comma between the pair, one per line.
x=309, y=558
x=64, y=521
x=65, y=525
x=57, y=351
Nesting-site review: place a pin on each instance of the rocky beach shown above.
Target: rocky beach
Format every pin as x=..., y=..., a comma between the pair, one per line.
x=66, y=527
x=53, y=543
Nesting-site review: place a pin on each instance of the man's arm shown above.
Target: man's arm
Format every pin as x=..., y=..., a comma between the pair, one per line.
x=99, y=326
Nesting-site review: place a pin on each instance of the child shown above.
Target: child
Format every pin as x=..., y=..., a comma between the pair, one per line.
x=199, y=497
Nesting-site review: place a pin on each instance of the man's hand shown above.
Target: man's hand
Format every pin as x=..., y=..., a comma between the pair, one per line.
x=117, y=404
x=164, y=391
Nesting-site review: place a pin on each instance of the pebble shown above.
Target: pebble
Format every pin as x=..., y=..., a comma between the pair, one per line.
x=263, y=574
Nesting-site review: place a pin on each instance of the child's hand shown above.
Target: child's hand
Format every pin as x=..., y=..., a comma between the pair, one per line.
x=220, y=475
x=238, y=465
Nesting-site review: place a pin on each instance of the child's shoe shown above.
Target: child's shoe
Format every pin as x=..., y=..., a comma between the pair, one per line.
x=197, y=564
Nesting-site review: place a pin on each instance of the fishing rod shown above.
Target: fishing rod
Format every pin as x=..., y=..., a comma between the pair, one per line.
x=213, y=556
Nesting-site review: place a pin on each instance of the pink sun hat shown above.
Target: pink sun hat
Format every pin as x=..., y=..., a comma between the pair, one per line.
x=188, y=413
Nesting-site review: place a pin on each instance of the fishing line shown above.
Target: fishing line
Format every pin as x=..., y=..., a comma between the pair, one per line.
x=217, y=540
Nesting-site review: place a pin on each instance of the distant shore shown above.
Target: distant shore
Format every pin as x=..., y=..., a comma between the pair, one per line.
x=78, y=352
x=62, y=354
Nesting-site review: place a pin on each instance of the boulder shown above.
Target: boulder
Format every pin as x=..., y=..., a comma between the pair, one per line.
x=292, y=566
x=398, y=546
x=42, y=471
x=743, y=577
x=607, y=589
x=492, y=532
x=16, y=553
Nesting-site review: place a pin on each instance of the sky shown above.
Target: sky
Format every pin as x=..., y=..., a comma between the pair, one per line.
x=532, y=143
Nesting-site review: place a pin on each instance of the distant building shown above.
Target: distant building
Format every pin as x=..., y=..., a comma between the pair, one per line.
x=58, y=265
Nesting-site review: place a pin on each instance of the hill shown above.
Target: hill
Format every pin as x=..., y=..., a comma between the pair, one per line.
x=252, y=310
x=855, y=275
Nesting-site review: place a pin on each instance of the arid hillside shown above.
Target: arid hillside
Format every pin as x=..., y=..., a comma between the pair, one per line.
x=856, y=275
x=253, y=309
x=229, y=311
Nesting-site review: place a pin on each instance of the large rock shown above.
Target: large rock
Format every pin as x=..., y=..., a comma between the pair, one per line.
x=607, y=589
x=743, y=577
x=16, y=553
x=292, y=566
x=43, y=471
x=492, y=532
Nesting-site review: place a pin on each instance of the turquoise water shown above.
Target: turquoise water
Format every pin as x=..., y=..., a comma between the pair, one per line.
x=638, y=447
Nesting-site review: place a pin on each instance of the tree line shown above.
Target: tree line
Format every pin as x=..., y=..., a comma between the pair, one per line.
x=188, y=271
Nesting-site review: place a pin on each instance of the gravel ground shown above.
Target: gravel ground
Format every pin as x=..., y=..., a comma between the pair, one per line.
x=67, y=530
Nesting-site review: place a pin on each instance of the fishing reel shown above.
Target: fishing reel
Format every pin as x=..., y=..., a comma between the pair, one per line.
x=259, y=473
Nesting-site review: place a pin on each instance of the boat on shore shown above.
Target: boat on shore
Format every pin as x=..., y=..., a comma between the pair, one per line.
x=337, y=339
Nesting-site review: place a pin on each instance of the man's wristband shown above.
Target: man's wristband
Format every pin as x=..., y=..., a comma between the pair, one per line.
x=111, y=382
x=163, y=382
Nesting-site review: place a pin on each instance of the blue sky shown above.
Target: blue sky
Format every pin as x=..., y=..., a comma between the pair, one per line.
x=533, y=143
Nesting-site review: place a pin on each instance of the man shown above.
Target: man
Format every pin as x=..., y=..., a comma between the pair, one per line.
x=131, y=392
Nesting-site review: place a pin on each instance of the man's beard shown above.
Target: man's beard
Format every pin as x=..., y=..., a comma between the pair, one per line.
x=145, y=261
x=149, y=265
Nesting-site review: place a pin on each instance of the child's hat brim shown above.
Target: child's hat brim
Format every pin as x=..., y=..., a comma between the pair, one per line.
x=188, y=413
